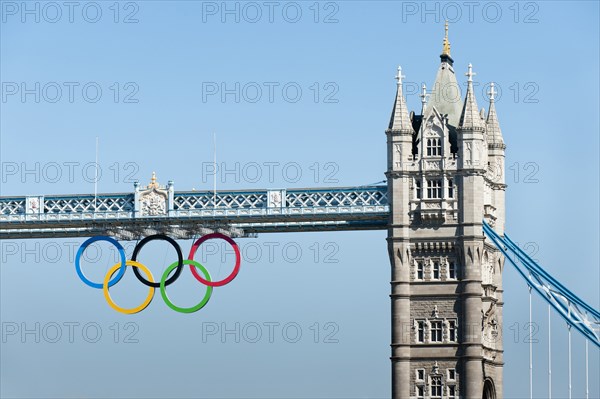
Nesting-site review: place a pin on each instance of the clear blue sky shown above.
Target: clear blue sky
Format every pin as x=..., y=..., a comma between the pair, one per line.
x=157, y=111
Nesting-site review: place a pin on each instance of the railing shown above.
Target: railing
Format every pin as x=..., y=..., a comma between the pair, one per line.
x=265, y=209
x=109, y=203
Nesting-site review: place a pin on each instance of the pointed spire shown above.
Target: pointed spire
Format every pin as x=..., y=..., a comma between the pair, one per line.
x=445, y=56
x=492, y=126
x=400, y=119
x=470, y=118
x=446, y=95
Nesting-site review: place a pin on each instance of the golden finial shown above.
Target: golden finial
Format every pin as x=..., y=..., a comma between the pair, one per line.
x=446, y=48
x=153, y=182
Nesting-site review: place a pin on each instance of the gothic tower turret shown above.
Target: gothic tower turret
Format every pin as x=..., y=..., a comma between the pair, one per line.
x=400, y=144
x=470, y=180
x=445, y=176
x=496, y=177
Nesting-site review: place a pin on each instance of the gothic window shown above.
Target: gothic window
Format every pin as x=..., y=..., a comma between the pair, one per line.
x=452, y=374
x=420, y=392
x=451, y=270
x=451, y=392
x=436, y=270
x=434, y=147
x=450, y=188
x=434, y=188
x=420, y=375
x=436, y=331
x=420, y=331
x=436, y=387
x=417, y=189
x=420, y=270
x=452, y=335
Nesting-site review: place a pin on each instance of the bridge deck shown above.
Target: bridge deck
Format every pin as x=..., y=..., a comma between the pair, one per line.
x=186, y=214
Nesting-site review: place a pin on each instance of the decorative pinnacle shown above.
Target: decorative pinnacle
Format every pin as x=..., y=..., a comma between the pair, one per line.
x=492, y=92
x=399, y=76
x=153, y=182
x=446, y=46
x=423, y=93
x=436, y=368
x=400, y=119
x=470, y=74
x=423, y=96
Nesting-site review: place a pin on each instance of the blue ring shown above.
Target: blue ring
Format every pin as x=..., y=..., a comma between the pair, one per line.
x=82, y=248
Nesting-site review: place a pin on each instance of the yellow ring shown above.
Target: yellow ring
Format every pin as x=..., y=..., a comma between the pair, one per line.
x=113, y=305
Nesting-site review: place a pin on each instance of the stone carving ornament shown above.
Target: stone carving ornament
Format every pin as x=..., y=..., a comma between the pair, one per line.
x=154, y=204
x=153, y=200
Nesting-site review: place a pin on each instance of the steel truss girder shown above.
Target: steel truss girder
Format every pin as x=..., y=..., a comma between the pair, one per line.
x=353, y=208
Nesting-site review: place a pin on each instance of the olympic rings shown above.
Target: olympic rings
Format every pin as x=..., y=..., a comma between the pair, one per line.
x=146, y=240
x=163, y=291
x=165, y=280
x=82, y=248
x=236, y=268
x=117, y=307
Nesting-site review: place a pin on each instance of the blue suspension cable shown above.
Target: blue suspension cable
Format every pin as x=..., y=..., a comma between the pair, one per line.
x=539, y=270
x=573, y=319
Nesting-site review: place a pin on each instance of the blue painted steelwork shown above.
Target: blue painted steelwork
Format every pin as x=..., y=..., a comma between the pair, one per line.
x=254, y=211
x=573, y=309
x=188, y=213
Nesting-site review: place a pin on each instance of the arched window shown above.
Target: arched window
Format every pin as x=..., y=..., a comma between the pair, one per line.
x=489, y=391
x=436, y=387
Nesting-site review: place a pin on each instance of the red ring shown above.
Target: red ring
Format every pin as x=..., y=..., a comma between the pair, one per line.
x=238, y=260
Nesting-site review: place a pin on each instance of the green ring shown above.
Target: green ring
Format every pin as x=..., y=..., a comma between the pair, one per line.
x=163, y=291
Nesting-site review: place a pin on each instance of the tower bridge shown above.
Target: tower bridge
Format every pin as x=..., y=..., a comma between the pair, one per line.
x=444, y=210
x=156, y=208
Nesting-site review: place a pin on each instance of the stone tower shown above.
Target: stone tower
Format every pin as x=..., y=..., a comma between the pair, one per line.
x=445, y=176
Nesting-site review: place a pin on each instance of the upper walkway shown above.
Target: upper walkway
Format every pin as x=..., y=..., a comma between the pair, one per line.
x=185, y=214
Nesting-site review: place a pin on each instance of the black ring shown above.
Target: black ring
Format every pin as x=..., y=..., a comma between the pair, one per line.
x=179, y=256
